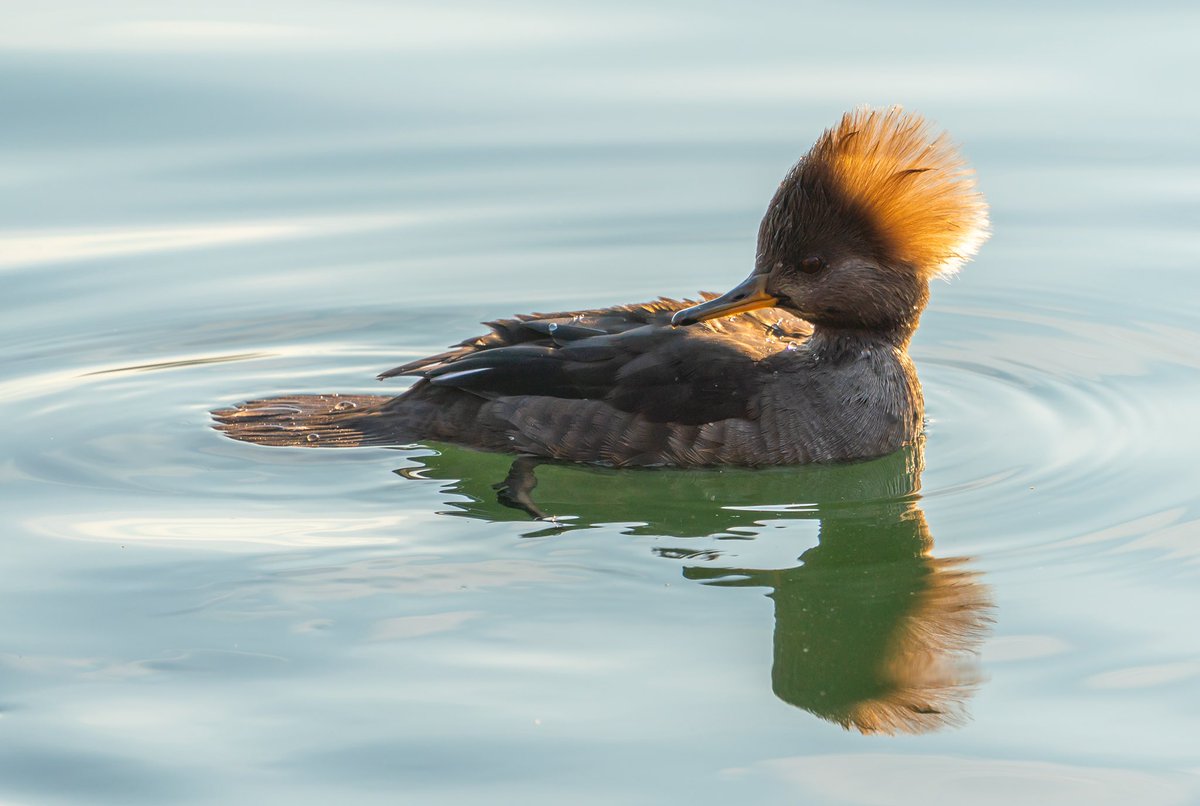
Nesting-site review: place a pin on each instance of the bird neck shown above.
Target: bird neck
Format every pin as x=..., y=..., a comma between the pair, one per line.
x=833, y=342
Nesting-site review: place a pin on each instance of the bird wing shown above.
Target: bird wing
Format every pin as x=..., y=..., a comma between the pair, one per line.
x=629, y=357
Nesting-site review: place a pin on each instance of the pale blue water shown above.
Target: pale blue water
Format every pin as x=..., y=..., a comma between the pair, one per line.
x=204, y=205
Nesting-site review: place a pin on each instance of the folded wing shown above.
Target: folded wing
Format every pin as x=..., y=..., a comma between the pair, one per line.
x=629, y=357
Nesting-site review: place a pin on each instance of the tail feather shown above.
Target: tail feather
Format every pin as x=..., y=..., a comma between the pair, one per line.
x=310, y=421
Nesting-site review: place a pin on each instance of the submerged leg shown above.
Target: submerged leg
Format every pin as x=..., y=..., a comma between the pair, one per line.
x=516, y=490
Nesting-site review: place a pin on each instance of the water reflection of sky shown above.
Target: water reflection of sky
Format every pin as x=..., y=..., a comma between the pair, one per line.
x=202, y=205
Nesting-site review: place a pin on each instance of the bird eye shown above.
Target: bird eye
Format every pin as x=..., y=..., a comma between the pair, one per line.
x=811, y=265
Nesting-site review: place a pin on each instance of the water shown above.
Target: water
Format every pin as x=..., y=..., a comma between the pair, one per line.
x=205, y=206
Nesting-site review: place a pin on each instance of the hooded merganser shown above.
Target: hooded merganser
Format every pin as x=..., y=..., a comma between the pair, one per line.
x=811, y=364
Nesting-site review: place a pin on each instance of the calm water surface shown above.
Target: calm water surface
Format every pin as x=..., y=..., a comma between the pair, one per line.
x=204, y=206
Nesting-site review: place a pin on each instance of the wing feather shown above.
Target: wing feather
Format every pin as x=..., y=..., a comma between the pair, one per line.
x=629, y=357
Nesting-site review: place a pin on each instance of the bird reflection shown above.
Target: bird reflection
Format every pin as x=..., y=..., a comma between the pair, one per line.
x=872, y=632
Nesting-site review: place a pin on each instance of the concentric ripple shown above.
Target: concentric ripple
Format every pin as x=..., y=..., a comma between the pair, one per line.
x=1042, y=405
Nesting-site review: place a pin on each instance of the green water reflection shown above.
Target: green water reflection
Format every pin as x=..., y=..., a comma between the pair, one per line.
x=871, y=630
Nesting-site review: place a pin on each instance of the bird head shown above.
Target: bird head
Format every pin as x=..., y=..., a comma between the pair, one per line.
x=878, y=207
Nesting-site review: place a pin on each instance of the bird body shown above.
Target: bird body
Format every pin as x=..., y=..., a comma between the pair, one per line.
x=805, y=361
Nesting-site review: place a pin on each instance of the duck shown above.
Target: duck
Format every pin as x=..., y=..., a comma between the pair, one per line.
x=805, y=361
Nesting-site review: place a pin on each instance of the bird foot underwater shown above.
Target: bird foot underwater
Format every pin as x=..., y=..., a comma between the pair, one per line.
x=516, y=491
